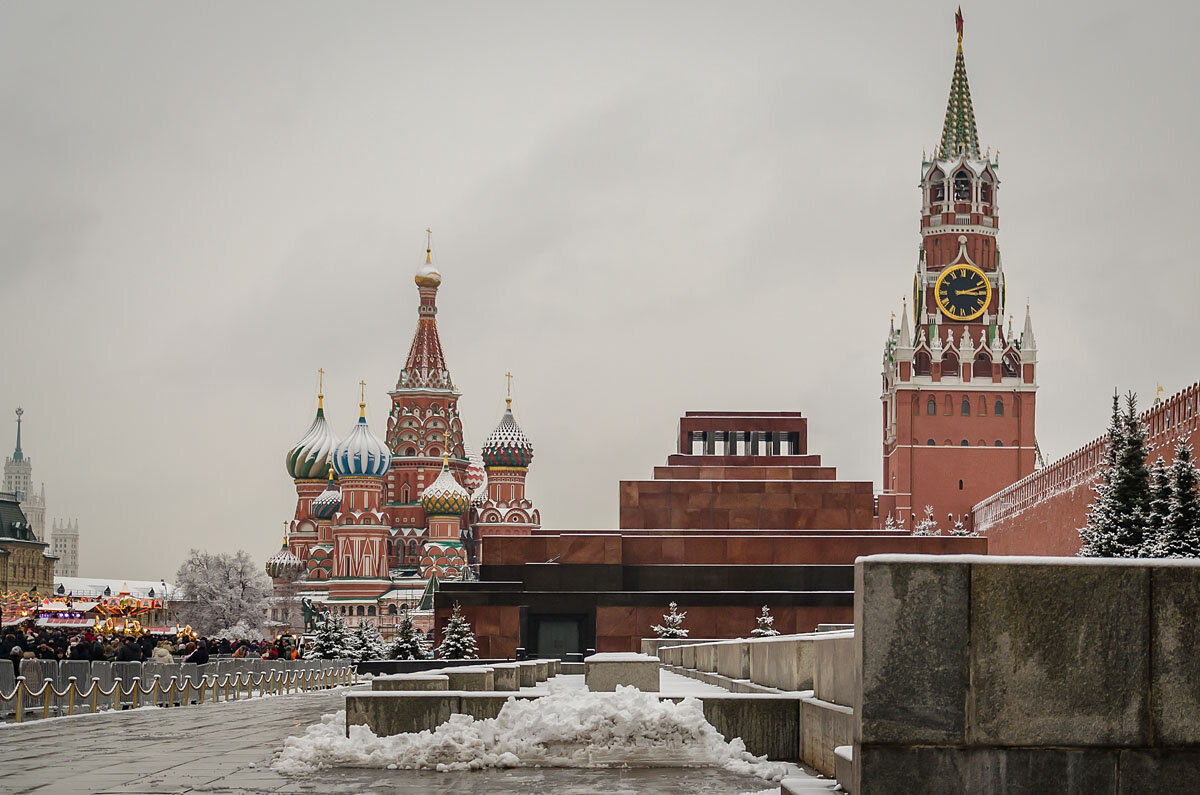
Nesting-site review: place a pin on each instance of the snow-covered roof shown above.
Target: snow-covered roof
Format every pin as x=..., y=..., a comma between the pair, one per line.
x=94, y=586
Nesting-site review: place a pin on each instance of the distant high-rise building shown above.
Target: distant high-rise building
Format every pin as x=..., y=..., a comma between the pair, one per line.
x=18, y=480
x=64, y=544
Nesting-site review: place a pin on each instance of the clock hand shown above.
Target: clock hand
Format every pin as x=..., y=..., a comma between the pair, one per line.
x=976, y=291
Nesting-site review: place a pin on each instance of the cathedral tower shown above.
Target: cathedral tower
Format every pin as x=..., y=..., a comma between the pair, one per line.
x=958, y=388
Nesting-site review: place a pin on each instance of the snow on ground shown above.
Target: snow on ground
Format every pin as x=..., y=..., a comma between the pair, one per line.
x=568, y=728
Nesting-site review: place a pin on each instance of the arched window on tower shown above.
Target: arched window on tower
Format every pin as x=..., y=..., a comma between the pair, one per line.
x=930, y=442
x=985, y=189
x=962, y=186
x=983, y=366
x=931, y=407
x=922, y=364
x=966, y=409
x=950, y=367
x=392, y=610
x=937, y=187
x=404, y=493
x=1011, y=366
x=999, y=409
x=361, y=610
x=371, y=610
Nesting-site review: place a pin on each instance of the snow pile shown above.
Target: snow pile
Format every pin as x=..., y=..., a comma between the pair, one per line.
x=564, y=729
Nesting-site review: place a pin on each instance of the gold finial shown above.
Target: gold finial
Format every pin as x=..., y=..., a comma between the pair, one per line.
x=445, y=460
x=321, y=387
x=285, y=524
x=428, y=246
x=362, y=399
x=1158, y=393
x=508, y=377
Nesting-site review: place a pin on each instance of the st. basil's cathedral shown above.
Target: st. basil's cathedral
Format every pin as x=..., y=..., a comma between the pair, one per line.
x=378, y=524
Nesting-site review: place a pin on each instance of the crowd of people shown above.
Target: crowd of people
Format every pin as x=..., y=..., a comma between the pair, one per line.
x=29, y=642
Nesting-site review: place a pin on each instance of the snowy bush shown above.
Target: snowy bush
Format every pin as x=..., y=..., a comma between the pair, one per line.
x=672, y=625
x=765, y=624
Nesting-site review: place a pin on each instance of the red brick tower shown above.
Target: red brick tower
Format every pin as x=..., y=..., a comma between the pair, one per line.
x=423, y=426
x=958, y=395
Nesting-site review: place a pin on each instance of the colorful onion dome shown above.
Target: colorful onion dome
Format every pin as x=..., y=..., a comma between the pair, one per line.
x=283, y=565
x=309, y=459
x=476, y=475
x=507, y=446
x=327, y=502
x=363, y=454
x=428, y=276
x=444, y=496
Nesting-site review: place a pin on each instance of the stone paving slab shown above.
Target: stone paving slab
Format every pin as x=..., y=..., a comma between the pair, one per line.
x=226, y=748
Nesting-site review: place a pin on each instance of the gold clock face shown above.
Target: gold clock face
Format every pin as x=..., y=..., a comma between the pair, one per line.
x=962, y=292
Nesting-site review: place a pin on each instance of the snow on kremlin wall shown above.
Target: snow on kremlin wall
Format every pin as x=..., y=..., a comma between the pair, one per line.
x=1041, y=514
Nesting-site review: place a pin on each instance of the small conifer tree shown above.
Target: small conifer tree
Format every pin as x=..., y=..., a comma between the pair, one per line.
x=370, y=643
x=889, y=523
x=1181, y=527
x=765, y=624
x=928, y=526
x=1157, y=507
x=333, y=640
x=1099, y=533
x=458, y=641
x=408, y=644
x=672, y=625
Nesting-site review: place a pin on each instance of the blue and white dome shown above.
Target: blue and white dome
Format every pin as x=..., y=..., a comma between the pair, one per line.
x=363, y=454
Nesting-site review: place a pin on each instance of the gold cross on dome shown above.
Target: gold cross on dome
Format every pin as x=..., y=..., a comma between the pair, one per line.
x=508, y=377
x=321, y=377
x=362, y=393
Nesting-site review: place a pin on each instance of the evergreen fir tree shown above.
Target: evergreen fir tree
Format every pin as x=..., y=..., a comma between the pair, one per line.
x=889, y=523
x=1131, y=485
x=369, y=642
x=1181, y=527
x=408, y=643
x=1099, y=533
x=672, y=625
x=333, y=640
x=765, y=624
x=1157, y=506
x=458, y=641
x=928, y=526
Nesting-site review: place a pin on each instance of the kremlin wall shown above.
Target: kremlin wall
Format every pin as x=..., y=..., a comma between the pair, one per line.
x=742, y=514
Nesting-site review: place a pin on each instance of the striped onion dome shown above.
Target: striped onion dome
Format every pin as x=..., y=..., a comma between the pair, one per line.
x=283, y=565
x=476, y=475
x=507, y=446
x=309, y=459
x=363, y=454
x=444, y=496
x=327, y=502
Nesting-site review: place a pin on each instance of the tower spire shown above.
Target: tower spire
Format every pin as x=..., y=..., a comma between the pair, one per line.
x=428, y=246
x=17, y=454
x=959, y=135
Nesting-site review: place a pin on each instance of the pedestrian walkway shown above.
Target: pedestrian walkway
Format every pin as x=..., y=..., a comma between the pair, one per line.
x=228, y=748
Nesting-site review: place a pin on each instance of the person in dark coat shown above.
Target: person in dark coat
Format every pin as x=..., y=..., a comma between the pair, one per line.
x=200, y=655
x=147, y=643
x=130, y=651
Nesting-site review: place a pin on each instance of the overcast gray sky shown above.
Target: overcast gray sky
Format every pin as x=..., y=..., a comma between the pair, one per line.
x=638, y=208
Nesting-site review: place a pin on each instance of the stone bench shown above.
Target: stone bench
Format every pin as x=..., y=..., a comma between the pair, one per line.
x=606, y=671
x=411, y=682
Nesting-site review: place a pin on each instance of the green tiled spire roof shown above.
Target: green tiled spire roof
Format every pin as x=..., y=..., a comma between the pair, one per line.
x=958, y=133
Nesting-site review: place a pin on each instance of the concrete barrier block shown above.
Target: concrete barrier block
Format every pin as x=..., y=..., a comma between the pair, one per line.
x=844, y=768
x=911, y=648
x=785, y=662
x=1175, y=637
x=396, y=713
x=706, y=657
x=528, y=673
x=824, y=727
x=1068, y=667
x=688, y=656
x=604, y=672
x=506, y=676
x=543, y=670
x=409, y=682
x=481, y=707
x=470, y=678
x=769, y=725
x=733, y=659
x=889, y=770
x=833, y=673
